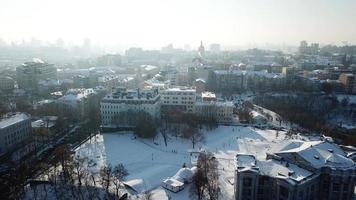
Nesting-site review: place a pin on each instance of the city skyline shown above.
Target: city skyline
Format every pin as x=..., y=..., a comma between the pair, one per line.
x=157, y=23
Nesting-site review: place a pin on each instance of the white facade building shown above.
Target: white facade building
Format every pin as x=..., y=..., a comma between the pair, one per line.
x=129, y=100
x=14, y=129
x=178, y=100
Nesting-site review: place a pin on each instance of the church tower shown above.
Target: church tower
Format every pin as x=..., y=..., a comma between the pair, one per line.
x=201, y=50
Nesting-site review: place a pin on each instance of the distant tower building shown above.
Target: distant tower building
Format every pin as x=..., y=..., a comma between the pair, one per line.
x=201, y=50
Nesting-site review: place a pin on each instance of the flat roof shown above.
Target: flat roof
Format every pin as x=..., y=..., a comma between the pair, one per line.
x=13, y=119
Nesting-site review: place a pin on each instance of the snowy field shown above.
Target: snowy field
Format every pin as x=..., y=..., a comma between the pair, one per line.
x=151, y=162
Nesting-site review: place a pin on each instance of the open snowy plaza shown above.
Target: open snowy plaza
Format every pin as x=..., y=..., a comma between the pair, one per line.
x=150, y=162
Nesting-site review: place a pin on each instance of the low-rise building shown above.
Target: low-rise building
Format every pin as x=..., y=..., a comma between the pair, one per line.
x=15, y=129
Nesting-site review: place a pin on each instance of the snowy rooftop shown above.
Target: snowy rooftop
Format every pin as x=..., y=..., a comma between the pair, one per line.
x=173, y=182
x=208, y=95
x=262, y=73
x=319, y=154
x=272, y=168
x=225, y=72
x=180, y=89
x=42, y=124
x=200, y=80
x=77, y=94
x=184, y=174
x=149, y=67
x=245, y=162
x=13, y=119
x=290, y=172
x=138, y=94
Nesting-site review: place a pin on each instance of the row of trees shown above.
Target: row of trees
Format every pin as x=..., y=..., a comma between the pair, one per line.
x=313, y=112
x=144, y=124
x=62, y=176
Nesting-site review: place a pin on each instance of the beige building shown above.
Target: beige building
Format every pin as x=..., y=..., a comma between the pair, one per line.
x=349, y=82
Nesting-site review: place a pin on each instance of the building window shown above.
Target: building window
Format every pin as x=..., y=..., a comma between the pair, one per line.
x=283, y=191
x=247, y=182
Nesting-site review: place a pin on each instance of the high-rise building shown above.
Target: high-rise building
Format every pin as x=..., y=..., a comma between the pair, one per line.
x=304, y=48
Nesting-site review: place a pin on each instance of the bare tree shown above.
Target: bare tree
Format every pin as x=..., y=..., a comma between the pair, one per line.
x=120, y=173
x=198, y=187
x=163, y=131
x=193, y=134
x=106, y=174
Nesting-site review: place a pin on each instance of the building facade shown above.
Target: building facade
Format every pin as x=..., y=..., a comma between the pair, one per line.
x=177, y=100
x=15, y=129
x=349, y=82
x=122, y=100
x=6, y=83
x=298, y=170
x=207, y=108
x=29, y=73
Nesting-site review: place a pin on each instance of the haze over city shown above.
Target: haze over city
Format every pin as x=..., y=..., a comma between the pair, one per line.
x=152, y=24
x=178, y=99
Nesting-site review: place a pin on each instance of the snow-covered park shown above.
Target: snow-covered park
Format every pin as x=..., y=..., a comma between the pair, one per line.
x=150, y=162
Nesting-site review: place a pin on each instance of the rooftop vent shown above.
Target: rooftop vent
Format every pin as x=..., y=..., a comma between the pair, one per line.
x=290, y=173
x=280, y=174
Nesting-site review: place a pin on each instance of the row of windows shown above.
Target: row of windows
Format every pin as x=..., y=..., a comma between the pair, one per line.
x=176, y=98
x=16, y=138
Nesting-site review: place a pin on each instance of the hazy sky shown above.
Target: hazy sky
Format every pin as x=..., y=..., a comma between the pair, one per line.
x=154, y=23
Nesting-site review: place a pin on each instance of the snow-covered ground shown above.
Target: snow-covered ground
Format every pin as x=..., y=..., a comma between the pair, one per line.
x=152, y=162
